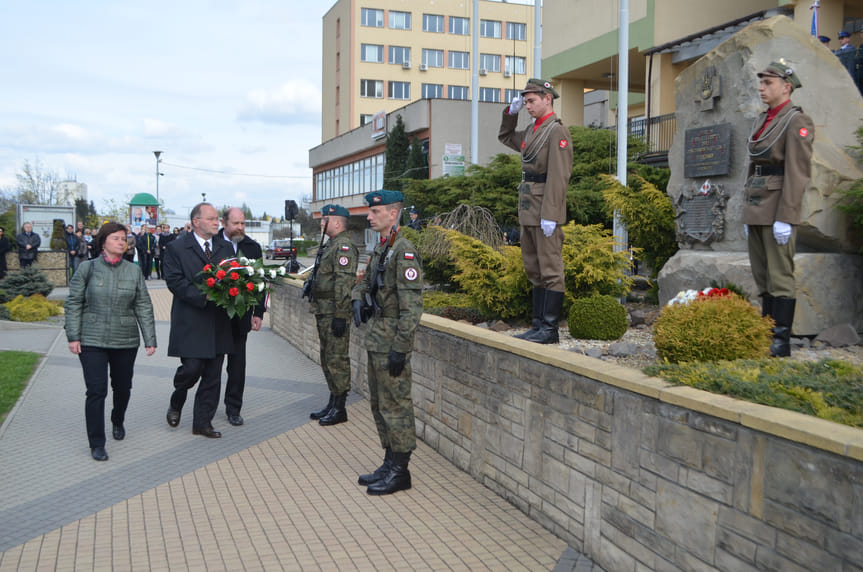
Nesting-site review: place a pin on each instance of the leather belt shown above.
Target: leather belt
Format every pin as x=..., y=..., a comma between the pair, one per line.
x=767, y=170
x=532, y=178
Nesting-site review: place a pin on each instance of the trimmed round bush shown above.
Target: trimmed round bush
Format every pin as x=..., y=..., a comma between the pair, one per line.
x=597, y=318
x=712, y=329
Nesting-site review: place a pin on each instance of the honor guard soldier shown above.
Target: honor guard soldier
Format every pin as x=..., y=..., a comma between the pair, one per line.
x=329, y=292
x=546, y=163
x=390, y=294
x=780, y=153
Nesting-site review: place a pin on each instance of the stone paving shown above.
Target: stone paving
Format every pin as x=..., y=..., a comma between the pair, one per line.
x=278, y=493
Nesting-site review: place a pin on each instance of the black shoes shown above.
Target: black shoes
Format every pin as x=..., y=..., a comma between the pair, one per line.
x=337, y=414
x=552, y=305
x=99, y=453
x=397, y=479
x=325, y=410
x=206, y=432
x=173, y=417
x=119, y=432
x=235, y=420
x=380, y=472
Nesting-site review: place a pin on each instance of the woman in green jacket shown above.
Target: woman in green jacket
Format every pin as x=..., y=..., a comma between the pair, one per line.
x=107, y=303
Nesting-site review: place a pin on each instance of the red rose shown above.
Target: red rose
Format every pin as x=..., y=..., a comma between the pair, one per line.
x=249, y=286
x=235, y=276
x=221, y=274
x=207, y=268
x=234, y=264
x=211, y=282
x=234, y=291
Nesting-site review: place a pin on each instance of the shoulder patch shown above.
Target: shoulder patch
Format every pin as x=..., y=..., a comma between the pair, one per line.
x=411, y=274
x=803, y=132
x=522, y=145
x=409, y=255
x=344, y=260
x=563, y=143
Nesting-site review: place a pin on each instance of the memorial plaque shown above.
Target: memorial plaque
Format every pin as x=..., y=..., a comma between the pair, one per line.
x=701, y=215
x=707, y=151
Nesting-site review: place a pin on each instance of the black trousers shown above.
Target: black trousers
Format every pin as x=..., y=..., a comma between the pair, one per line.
x=146, y=262
x=96, y=362
x=209, y=371
x=236, y=377
x=157, y=266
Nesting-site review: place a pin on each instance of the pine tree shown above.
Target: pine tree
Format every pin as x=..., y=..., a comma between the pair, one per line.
x=396, y=156
x=417, y=164
x=26, y=282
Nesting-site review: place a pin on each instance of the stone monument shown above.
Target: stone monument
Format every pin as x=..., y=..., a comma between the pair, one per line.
x=717, y=102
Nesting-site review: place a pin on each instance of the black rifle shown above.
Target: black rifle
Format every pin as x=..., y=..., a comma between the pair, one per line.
x=309, y=286
x=371, y=307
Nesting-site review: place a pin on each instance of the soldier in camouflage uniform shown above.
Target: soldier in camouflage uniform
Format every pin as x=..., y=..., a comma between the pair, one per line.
x=397, y=307
x=331, y=303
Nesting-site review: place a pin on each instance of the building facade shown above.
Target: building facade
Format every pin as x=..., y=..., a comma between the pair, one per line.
x=380, y=55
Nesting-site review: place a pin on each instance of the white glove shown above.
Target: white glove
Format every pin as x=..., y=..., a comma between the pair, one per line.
x=516, y=105
x=547, y=226
x=781, y=232
x=746, y=230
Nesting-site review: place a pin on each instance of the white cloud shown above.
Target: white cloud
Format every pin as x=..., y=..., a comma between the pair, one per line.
x=157, y=128
x=297, y=101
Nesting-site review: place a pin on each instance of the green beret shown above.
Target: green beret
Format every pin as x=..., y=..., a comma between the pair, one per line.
x=535, y=85
x=783, y=71
x=335, y=210
x=382, y=197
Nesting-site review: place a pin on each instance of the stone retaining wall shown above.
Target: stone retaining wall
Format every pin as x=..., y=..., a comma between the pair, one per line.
x=54, y=264
x=634, y=473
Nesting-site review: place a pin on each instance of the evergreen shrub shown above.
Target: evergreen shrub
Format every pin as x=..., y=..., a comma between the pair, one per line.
x=26, y=282
x=597, y=318
x=4, y=313
x=591, y=266
x=36, y=308
x=711, y=329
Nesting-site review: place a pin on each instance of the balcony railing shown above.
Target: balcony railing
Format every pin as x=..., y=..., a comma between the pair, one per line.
x=657, y=132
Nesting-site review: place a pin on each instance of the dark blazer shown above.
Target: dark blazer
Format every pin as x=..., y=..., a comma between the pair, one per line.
x=250, y=249
x=199, y=328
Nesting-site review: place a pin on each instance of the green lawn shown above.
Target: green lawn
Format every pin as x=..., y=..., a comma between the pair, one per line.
x=15, y=369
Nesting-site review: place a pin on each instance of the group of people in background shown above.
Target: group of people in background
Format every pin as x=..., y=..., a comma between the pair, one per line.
x=851, y=56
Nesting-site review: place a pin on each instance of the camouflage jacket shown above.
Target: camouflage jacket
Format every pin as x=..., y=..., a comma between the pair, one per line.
x=337, y=274
x=400, y=299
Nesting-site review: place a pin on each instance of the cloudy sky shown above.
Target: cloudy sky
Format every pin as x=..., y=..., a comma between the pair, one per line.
x=228, y=90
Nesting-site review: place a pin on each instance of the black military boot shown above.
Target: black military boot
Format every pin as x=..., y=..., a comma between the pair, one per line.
x=337, y=414
x=325, y=410
x=548, y=332
x=783, y=314
x=398, y=479
x=766, y=305
x=380, y=472
x=538, y=299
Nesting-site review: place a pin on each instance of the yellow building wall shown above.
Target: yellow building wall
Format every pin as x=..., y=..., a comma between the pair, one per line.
x=566, y=23
x=336, y=55
x=352, y=106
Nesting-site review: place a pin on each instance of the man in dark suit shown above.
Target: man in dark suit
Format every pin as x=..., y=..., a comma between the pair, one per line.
x=234, y=231
x=146, y=246
x=200, y=330
x=165, y=238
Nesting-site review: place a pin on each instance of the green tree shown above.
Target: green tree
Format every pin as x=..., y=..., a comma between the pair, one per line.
x=396, y=157
x=417, y=162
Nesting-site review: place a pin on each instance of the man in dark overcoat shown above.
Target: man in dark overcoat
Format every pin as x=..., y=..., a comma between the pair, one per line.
x=200, y=331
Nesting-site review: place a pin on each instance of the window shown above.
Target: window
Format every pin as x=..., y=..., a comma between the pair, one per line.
x=515, y=31
x=491, y=94
x=458, y=92
x=511, y=94
x=366, y=118
x=400, y=20
x=400, y=55
x=459, y=60
x=514, y=64
x=459, y=26
x=489, y=62
x=372, y=18
x=432, y=90
x=433, y=58
x=356, y=178
x=489, y=29
x=432, y=23
x=399, y=90
x=371, y=53
x=371, y=88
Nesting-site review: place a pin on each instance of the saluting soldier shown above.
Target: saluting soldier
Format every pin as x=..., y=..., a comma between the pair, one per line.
x=335, y=276
x=780, y=153
x=389, y=341
x=546, y=163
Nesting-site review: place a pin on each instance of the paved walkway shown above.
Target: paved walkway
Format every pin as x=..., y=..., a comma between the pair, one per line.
x=278, y=493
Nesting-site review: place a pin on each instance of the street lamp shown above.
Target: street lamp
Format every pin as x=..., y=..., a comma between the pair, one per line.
x=157, y=153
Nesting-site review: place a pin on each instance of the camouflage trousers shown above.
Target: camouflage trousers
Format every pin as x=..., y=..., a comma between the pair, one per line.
x=335, y=357
x=392, y=405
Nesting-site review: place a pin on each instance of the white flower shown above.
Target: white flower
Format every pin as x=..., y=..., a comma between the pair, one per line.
x=281, y=271
x=243, y=260
x=272, y=274
x=261, y=272
x=261, y=286
x=683, y=297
